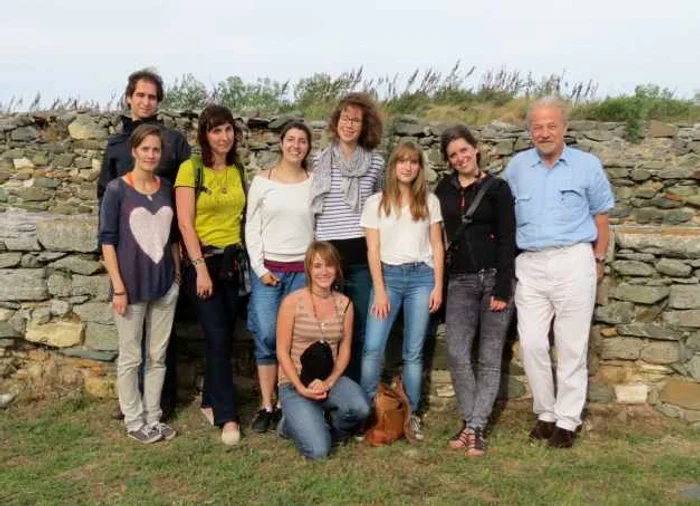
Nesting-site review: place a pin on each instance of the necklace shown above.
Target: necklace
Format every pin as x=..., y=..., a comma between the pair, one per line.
x=321, y=296
x=321, y=324
x=224, y=187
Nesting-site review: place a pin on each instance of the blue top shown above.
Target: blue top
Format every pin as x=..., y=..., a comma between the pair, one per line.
x=141, y=230
x=555, y=206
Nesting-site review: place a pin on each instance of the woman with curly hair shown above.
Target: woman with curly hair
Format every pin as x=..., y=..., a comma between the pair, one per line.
x=346, y=173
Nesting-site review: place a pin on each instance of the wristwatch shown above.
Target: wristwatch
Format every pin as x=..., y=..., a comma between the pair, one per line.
x=600, y=259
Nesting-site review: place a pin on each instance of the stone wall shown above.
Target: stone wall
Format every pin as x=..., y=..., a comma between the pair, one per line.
x=56, y=329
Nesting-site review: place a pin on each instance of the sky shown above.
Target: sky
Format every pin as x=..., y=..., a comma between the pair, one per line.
x=86, y=48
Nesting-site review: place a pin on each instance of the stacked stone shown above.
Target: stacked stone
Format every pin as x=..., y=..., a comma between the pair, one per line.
x=51, y=161
x=648, y=332
x=53, y=292
x=55, y=321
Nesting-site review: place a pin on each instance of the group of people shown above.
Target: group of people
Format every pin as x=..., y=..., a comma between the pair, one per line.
x=331, y=251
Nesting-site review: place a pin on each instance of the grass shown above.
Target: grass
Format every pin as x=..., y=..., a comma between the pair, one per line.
x=73, y=453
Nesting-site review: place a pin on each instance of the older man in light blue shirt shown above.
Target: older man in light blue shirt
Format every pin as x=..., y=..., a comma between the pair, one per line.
x=562, y=197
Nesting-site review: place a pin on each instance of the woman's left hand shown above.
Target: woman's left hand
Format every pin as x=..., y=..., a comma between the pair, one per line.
x=318, y=386
x=435, y=299
x=497, y=304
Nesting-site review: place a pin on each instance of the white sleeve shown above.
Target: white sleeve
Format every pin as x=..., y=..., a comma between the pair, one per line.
x=253, y=229
x=370, y=213
x=434, y=208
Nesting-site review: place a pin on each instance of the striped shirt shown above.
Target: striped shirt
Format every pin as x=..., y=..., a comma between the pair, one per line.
x=307, y=330
x=338, y=220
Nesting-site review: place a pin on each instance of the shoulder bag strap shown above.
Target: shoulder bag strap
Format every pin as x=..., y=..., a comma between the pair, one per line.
x=198, y=176
x=467, y=217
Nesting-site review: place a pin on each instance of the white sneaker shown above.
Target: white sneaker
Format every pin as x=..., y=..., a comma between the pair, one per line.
x=416, y=427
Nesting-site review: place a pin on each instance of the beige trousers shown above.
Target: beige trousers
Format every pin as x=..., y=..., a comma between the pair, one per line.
x=157, y=318
x=559, y=284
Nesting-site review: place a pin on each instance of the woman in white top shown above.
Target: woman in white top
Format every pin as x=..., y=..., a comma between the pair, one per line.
x=403, y=227
x=279, y=228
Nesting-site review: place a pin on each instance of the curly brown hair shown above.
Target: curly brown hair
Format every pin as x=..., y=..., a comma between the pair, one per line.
x=371, y=134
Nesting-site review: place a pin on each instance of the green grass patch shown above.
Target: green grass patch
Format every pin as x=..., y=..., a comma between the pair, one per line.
x=73, y=453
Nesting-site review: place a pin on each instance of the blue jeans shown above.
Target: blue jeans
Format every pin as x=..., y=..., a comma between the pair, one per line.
x=264, y=302
x=217, y=316
x=408, y=285
x=358, y=285
x=304, y=420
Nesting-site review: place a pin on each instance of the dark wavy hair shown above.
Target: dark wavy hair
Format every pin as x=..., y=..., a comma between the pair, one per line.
x=371, y=134
x=298, y=125
x=213, y=116
x=453, y=133
x=144, y=75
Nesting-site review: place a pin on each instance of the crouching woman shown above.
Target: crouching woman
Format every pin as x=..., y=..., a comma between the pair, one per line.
x=314, y=338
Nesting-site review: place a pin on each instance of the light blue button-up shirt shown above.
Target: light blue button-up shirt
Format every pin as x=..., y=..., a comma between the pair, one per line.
x=555, y=206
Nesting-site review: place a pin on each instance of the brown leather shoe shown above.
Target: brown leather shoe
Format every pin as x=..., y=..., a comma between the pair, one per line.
x=561, y=438
x=542, y=430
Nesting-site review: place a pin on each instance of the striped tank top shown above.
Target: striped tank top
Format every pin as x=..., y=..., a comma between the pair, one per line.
x=307, y=330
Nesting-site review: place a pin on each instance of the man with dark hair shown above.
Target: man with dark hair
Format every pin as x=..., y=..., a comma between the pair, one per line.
x=144, y=92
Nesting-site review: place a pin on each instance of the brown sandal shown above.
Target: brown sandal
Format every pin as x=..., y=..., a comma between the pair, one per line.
x=460, y=441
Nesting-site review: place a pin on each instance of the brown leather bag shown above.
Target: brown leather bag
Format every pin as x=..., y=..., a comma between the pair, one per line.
x=392, y=415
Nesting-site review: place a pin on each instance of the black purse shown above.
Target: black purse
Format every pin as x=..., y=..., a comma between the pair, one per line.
x=316, y=362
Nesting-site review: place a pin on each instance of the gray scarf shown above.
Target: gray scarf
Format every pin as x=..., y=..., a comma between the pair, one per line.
x=350, y=171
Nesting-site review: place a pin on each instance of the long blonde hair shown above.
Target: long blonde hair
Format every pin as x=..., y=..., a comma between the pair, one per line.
x=391, y=196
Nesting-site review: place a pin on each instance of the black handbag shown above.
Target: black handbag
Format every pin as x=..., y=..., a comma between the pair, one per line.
x=316, y=362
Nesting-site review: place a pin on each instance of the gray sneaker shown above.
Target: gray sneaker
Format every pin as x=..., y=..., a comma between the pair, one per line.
x=416, y=427
x=165, y=430
x=147, y=434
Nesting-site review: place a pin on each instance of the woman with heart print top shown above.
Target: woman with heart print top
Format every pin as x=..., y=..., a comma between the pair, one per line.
x=210, y=194
x=143, y=262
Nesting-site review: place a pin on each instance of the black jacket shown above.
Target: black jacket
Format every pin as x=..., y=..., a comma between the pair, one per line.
x=117, y=159
x=489, y=242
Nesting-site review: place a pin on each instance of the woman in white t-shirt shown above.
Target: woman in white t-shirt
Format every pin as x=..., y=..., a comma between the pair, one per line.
x=279, y=228
x=403, y=227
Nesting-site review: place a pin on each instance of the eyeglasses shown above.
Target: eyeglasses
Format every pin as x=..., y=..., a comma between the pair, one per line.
x=350, y=121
